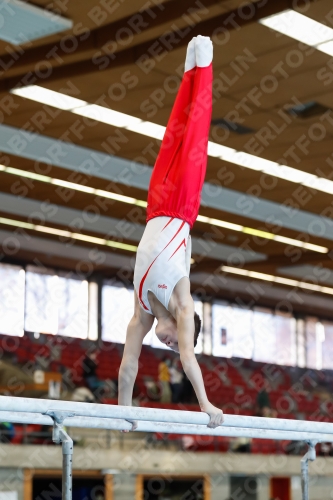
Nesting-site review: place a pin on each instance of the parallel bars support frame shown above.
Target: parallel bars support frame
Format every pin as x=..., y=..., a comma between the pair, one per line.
x=50, y=412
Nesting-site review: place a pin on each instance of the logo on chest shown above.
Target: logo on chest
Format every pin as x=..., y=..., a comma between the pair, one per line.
x=162, y=286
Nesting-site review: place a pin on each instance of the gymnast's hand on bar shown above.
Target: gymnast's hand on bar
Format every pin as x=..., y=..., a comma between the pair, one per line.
x=134, y=425
x=216, y=415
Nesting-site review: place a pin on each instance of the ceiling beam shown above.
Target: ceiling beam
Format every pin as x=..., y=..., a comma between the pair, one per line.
x=277, y=261
x=167, y=42
x=91, y=40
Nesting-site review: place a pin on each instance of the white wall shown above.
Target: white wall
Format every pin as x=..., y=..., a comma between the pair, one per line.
x=142, y=459
x=11, y=480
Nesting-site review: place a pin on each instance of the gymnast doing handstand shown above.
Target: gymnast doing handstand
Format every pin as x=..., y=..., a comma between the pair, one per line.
x=162, y=267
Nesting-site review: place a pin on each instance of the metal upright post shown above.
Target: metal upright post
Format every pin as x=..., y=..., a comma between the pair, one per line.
x=67, y=453
x=310, y=455
x=61, y=436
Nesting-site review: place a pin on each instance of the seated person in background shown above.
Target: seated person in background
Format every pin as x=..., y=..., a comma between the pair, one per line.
x=241, y=445
x=83, y=395
x=89, y=372
x=187, y=394
x=99, y=388
x=263, y=402
x=264, y=405
x=7, y=432
x=176, y=379
x=164, y=380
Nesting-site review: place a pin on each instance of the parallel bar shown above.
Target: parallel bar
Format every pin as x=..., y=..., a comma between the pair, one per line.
x=12, y=404
x=25, y=418
x=162, y=427
x=145, y=426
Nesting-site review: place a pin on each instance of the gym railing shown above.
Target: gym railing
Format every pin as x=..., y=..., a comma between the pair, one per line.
x=96, y=416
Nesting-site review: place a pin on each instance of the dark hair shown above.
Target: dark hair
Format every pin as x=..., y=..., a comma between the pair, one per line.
x=197, y=327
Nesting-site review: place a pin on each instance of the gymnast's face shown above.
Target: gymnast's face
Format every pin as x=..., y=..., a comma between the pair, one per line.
x=166, y=332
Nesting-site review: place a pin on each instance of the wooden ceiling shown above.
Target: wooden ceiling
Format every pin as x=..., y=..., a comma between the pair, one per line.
x=258, y=75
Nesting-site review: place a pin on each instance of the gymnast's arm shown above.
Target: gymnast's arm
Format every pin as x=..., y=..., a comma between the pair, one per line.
x=137, y=329
x=184, y=312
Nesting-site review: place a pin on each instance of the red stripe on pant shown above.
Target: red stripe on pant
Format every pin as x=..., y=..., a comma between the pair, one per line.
x=179, y=172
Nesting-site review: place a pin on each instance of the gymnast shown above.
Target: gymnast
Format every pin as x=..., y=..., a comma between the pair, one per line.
x=162, y=267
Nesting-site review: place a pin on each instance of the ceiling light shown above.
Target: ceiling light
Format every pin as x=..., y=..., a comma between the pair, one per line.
x=26, y=173
x=90, y=239
x=78, y=187
x=72, y=185
x=301, y=28
x=16, y=223
x=52, y=230
x=258, y=232
x=107, y=115
x=133, y=201
x=249, y=161
x=326, y=47
x=49, y=97
x=322, y=184
x=277, y=279
x=286, y=281
x=301, y=244
x=260, y=276
x=22, y=22
x=148, y=128
x=285, y=172
x=120, y=197
x=218, y=150
x=67, y=234
x=220, y=223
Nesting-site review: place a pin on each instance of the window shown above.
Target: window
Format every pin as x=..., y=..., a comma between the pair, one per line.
x=221, y=320
x=11, y=300
x=327, y=345
x=257, y=334
x=232, y=332
x=242, y=333
x=301, y=342
x=56, y=304
x=313, y=343
x=93, y=311
x=264, y=336
x=285, y=331
x=73, y=307
x=274, y=337
x=117, y=310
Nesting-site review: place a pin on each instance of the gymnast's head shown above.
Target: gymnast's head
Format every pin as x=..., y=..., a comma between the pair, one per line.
x=166, y=331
